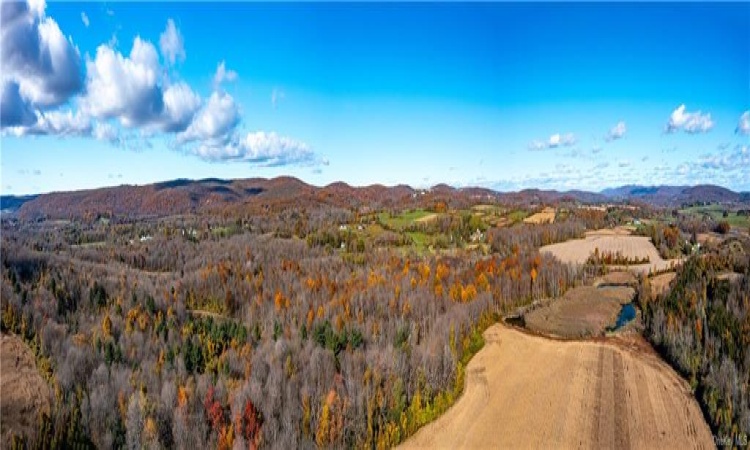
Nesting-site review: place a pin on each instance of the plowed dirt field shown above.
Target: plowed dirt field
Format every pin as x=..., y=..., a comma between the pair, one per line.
x=525, y=391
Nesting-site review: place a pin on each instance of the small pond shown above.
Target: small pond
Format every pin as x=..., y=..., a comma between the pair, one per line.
x=627, y=313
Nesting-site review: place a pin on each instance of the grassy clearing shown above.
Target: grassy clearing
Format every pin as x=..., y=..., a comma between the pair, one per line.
x=402, y=220
x=517, y=215
x=716, y=212
x=420, y=240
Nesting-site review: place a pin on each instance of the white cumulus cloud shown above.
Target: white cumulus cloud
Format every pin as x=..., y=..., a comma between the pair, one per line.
x=129, y=89
x=39, y=63
x=215, y=122
x=260, y=148
x=690, y=122
x=124, y=99
x=124, y=87
x=180, y=106
x=14, y=111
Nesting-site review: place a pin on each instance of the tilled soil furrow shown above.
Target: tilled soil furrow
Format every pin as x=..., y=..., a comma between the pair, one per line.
x=622, y=425
x=606, y=402
x=547, y=393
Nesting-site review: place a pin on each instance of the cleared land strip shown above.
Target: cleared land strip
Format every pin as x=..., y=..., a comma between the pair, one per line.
x=577, y=251
x=532, y=392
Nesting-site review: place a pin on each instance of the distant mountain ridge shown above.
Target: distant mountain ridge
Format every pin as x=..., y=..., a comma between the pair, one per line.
x=213, y=195
x=676, y=195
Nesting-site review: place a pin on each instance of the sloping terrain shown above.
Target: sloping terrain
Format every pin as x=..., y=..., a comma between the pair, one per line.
x=583, y=311
x=23, y=392
x=674, y=195
x=214, y=195
x=525, y=391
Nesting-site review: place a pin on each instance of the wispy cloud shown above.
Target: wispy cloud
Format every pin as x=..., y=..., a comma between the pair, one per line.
x=743, y=126
x=85, y=19
x=616, y=132
x=554, y=141
x=276, y=96
x=223, y=74
x=172, y=44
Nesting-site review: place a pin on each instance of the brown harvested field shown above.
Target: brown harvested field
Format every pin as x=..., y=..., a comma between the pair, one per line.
x=526, y=391
x=620, y=278
x=23, y=392
x=547, y=215
x=577, y=251
x=660, y=283
x=583, y=311
x=709, y=238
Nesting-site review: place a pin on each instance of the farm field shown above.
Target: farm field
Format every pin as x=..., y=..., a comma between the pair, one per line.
x=660, y=283
x=577, y=251
x=23, y=392
x=547, y=215
x=526, y=391
x=403, y=219
x=582, y=312
x=716, y=212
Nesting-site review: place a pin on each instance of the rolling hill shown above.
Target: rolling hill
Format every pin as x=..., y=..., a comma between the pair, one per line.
x=212, y=195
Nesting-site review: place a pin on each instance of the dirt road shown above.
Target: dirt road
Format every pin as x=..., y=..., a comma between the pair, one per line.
x=524, y=391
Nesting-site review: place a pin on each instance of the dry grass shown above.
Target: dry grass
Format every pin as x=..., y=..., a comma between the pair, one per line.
x=547, y=215
x=428, y=218
x=660, y=283
x=577, y=251
x=619, y=278
x=582, y=312
x=23, y=392
x=731, y=276
x=709, y=238
x=530, y=392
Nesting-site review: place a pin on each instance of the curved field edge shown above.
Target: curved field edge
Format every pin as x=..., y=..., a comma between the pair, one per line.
x=24, y=393
x=421, y=411
x=524, y=390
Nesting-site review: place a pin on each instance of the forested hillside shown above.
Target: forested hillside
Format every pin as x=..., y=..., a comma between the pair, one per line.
x=702, y=326
x=235, y=337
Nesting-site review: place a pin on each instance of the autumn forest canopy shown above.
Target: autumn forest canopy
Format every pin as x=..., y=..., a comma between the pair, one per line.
x=284, y=325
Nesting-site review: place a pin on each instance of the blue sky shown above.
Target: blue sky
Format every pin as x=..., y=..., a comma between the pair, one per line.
x=502, y=95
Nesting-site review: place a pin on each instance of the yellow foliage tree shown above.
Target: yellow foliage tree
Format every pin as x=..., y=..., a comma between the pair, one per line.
x=107, y=326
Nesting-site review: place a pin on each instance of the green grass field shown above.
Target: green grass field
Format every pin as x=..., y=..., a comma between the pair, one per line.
x=402, y=220
x=717, y=213
x=517, y=216
x=419, y=239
